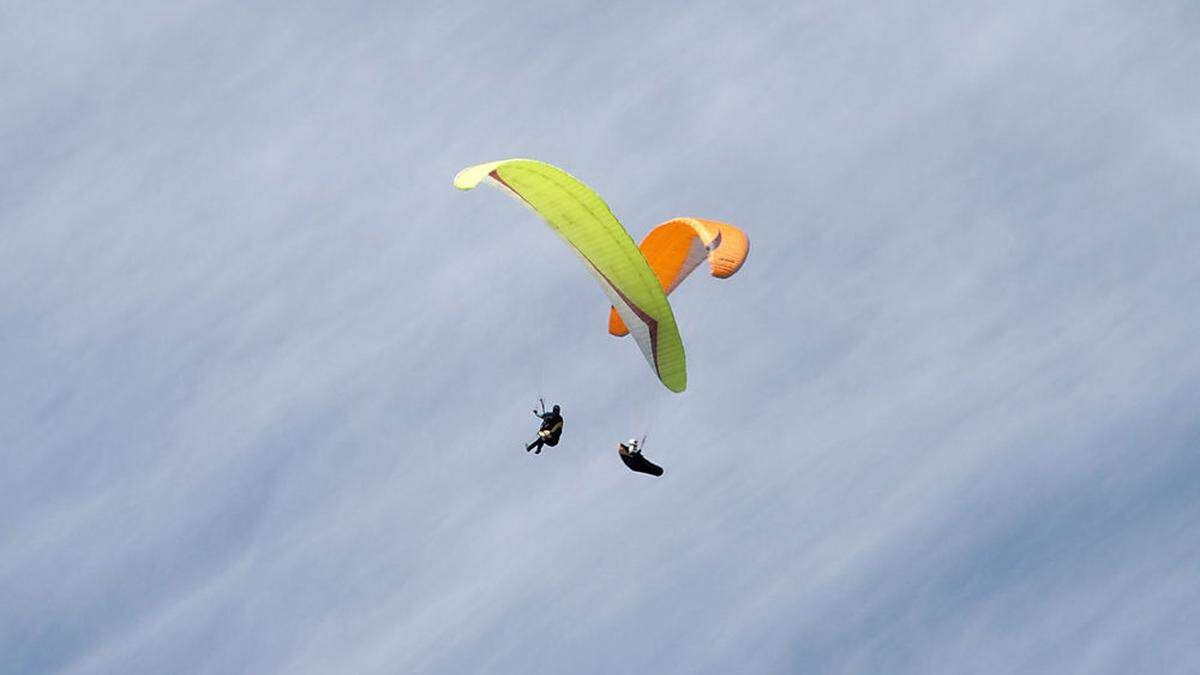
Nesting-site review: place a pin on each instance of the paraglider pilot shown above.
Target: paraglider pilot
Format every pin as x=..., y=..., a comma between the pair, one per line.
x=631, y=455
x=552, y=424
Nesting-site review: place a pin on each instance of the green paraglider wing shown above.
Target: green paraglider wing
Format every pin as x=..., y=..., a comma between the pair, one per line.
x=585, y=222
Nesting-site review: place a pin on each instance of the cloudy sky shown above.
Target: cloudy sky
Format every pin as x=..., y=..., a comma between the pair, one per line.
x=266, y=374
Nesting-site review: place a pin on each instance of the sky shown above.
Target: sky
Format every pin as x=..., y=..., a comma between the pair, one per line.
x=267, y=375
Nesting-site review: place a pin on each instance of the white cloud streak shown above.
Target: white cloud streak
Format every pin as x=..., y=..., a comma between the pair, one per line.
x=267, y=372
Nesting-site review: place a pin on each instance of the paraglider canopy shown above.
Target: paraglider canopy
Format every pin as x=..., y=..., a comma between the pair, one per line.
x=678, y=246
x=585, y=223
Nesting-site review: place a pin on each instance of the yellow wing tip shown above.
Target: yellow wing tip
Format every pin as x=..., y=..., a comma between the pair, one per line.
x=474, y=175
x=676, y=383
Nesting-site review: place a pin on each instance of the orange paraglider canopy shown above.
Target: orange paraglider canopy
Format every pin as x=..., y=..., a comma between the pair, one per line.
x=677, y=246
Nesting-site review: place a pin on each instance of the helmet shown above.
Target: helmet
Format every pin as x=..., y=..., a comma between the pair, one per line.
x=556, y=408
x=631, y=442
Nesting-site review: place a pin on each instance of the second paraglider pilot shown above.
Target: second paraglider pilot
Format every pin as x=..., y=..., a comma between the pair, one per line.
x=550, y=431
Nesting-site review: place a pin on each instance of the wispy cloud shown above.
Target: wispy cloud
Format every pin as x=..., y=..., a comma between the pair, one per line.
x=267, y=374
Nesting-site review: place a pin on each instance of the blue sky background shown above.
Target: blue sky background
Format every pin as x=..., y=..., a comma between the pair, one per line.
x=266, y=374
